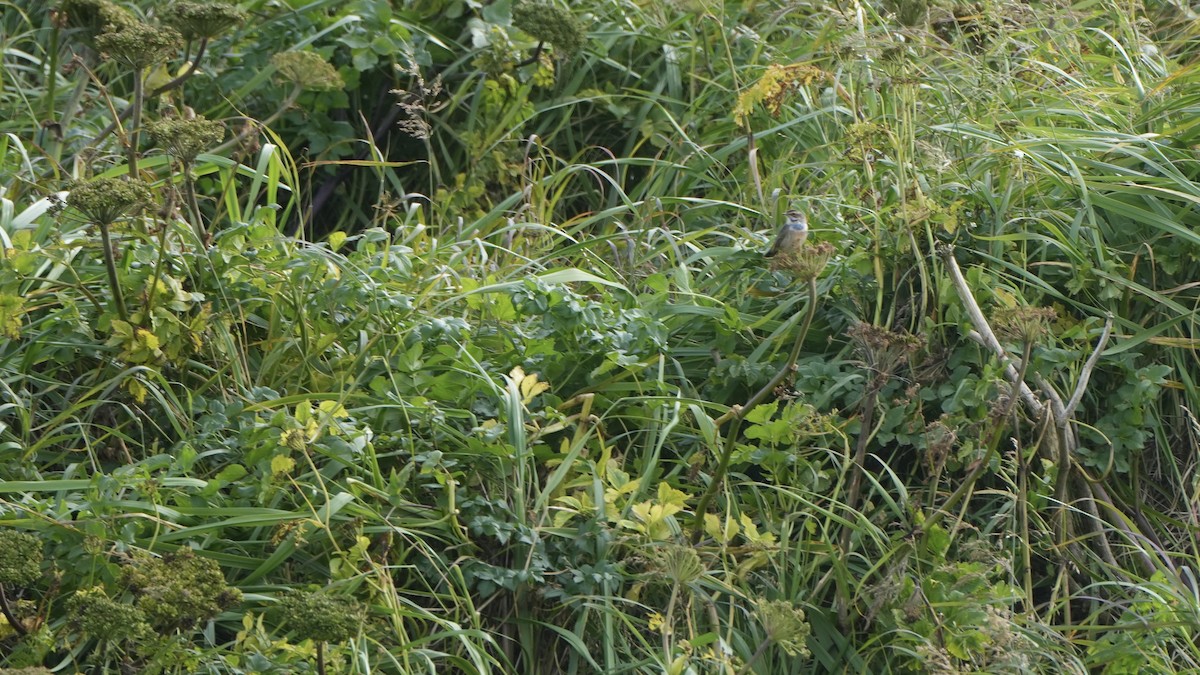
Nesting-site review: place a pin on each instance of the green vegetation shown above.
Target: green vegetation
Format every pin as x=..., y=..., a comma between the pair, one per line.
x=437, y=336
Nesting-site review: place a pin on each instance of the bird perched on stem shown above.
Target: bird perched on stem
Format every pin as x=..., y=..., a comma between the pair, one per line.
x=791, y=235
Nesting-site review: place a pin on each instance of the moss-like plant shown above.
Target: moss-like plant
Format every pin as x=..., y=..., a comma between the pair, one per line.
x=93, y=613
x=20, y=565
x=179, y=590
x=20, y=558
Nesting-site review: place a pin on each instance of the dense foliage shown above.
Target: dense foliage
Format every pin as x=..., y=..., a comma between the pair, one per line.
x=437, y=336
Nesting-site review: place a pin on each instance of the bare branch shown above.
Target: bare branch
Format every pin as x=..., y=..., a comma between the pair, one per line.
x=1086, y=375
x=985, y=335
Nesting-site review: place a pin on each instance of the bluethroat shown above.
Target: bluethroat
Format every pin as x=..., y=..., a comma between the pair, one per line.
x=792, y=235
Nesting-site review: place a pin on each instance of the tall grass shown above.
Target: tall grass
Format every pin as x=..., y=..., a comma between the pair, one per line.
x=503, y=393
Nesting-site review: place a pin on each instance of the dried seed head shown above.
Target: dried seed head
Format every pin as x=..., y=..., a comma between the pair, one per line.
x=939, y=442
x=1025, y=325
x=678, y=564
x=909, y=13
x=94, y=16
x=806, y=262
x=321, y=617
x=92, y=612
x=882, y=350
x=178, y=590
x=20, y=558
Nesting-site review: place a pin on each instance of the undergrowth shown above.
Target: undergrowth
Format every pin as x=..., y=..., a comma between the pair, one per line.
x=439, y=337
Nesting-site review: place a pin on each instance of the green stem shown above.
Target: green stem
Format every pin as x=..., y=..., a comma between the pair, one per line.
x=51, y=75
x=1023, y=512
x=738, y=413
x=52, y=146
x=193, y=206
x=152, y=291
x=860, y=458
x=111, y=266
x=762, y=649
x=669, y=622
x=135, y=124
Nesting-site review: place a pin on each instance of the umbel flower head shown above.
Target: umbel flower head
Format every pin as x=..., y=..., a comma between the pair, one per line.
x=139, y=44
x=20, y=558
x=785, y=625
x=550, y=23
x=321, y=617
x=104, y=200
x=1025, y=325
x=186, y=138
x=94, y=613
x=94, y=16
x=196, y=20
x=807, y=262
x=882, y=350
x=307, y=70
x=678, y=564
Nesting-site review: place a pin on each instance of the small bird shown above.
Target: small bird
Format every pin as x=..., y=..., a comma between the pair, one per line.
x=792, y=235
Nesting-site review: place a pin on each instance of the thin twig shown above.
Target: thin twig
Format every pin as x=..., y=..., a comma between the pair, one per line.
x=533, y=58
x=17, y=625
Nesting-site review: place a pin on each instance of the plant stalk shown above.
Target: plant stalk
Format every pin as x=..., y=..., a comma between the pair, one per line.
x=193, y=206
x=135, y=124
x=110, y=265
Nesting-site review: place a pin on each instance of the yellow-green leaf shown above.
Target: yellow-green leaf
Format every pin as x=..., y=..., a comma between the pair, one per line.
x=282, y=464
x=336, y=240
